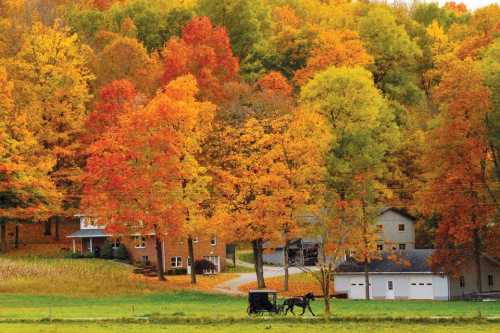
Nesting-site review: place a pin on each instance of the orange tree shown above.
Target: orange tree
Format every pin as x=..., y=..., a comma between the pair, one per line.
x=133, y=174
x=259, y=174
x=460, y=156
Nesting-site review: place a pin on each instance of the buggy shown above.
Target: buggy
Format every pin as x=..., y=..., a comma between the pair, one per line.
x=261, y=301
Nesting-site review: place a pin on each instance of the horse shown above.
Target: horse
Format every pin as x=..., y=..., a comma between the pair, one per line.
x=301, y=302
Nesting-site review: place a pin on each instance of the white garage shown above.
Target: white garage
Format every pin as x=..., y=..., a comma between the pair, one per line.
x=421, y=287
x=404, y=275
x=357, y=287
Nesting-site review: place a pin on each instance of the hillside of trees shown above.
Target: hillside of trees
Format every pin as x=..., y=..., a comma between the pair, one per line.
x=246, y=117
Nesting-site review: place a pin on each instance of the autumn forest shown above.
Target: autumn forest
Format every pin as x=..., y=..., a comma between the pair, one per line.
x=255, y=120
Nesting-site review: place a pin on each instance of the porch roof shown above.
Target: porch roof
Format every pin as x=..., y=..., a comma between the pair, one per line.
x=89, y=233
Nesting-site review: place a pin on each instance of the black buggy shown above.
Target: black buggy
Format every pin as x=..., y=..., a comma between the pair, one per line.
x=262, y=301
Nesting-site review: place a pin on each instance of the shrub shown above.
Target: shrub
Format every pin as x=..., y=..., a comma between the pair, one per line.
x=76, y=255
x=177, y=271
x=121, y=253
x=202, y=266
x=107, y=251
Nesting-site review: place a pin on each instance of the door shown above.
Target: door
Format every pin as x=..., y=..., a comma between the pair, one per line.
x=421, y=288
x=389, y=291
x=357, y=288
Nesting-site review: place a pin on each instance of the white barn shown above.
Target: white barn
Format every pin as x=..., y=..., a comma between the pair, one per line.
x=409, y=276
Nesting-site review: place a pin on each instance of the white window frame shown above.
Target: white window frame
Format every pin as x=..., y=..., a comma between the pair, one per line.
x=176, y=262
x=213, y=241
x=402, y=246
x=140, y=242
x=116, y=242
x=404, y=227
x=195, y=239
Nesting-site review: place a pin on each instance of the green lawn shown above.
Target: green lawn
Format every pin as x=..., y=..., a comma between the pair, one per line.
x=201, y=305
x=250, y=328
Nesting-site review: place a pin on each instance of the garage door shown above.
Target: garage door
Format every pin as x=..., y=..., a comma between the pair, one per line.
x=357, y=288
x=421, y=288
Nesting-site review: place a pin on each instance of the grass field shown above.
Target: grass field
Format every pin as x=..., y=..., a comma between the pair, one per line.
x=55, y=289
x=251, y=328
x=87, y=277
x=186, y=304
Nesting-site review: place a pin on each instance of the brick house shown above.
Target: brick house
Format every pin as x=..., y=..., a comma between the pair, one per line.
x=17, y=234
x=141, y=248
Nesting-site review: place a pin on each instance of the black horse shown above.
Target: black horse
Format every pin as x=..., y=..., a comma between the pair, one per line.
x=301, y=302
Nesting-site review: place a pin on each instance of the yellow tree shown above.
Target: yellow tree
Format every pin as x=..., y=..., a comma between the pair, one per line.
x=26, y=190
x=51, y=79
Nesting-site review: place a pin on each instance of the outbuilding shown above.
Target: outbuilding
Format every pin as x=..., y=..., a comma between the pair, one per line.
x=408, y=275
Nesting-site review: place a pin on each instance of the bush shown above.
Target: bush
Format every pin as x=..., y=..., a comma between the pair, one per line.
x=107, y=251
x=177, y=271
x=121, y=253
x=76, y=255
x=202, y=266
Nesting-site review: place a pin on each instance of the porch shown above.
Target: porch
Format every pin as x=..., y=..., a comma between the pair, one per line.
x=88, y=241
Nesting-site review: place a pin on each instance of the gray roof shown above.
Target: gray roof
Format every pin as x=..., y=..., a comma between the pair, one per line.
x=87, y=233
x=409, y=261
x=400, y=211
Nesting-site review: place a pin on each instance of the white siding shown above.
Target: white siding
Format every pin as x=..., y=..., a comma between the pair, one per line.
x=401, y=285
x=441, y=288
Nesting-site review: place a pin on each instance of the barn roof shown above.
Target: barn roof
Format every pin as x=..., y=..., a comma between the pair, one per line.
x=408, y=261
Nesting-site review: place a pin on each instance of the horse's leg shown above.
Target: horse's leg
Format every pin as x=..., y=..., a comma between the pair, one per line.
x=303, y=310
x=310, y=310
x=291, y=309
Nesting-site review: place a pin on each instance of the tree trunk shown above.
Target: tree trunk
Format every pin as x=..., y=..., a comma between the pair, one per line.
x=191, y=256
x=56, y=228
x=477, y=258
x=367, y=280
x=3, y=236
x=259, y=263
x=159, y=255
x=16, y=239
x=234, y=257
x=326, y=289
x=285, y=265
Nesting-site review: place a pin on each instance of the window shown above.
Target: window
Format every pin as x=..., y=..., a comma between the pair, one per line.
x=47, y=228
x=145, y=260
x=390, y=285
x=462, y=282
x=380, y=247
x=380, y=228
x=401, y=227
x=195, y=239
x=116, y=243
x=213, y=241
x=139, y=242
x=176, y=262
x=490, y=280
x=402, y=246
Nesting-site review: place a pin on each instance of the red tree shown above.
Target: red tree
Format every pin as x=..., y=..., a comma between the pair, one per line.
x=133, y=175
x=203, y=51
x=115, y=99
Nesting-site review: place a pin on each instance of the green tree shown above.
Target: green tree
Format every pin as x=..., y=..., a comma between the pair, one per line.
x=395, y=55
